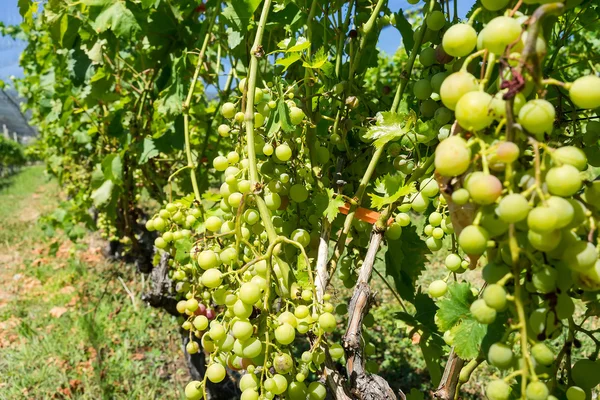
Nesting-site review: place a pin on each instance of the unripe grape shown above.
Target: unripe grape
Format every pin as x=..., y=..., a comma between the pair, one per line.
x=316, y=391
x=437, y=80
x=542, y=354
x=513, y=208
x=473, y=111
x=460, y=196
x=495, y=297
x=580, y=256
x=437, y=288
x=298, y=193
x=220, y=163
x=455, y=86
x=453, y=262
x=500, y=355
x=327, y=322
x=215, y=373
x=585, y=92
x=296, y=115
x=213, y=223
x=419, y=203
x=564, y=210
x=193, y=390
x=403, y=219
x=394, y=231
x=483, y=188
x=273, y=201
x=473, y=240
x=507, y=152
x=542, y=219
x=537, y=391
x=544, y=241
x=499, y=33
x=459, y=40
x=563, y=181
x=429, y=187
x=494, y=5
x=571, y=155
x=575, y=393
x=482, y=312
x=228, y=110
x=211, y=278
x=285, y=334
x=497, y=390
x=283, y=152
x=537, y=117
x=452, y=156
x=436, y=20
x=422, y=89
x=223, y=130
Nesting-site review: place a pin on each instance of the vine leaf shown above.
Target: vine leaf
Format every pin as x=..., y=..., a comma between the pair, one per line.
x=149, y=150
x=103, y=194
x=405, y=260
x=118, y=18
x=112, y=166
x=288, y=60
x=455, y=306
x=182, y=248
x=333, y=205
x=391, y=188
x=389, y=126
x=468, y=336
x=24, y=7
x=406, y=31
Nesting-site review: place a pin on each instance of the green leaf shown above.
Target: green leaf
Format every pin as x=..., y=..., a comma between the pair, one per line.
x=288, y=60
x=389, y=126
x=333, y=206
x=405, y=260
x=24, y=6
x=234, y=37
x=182, y=250
x=118, y=18
x=112, y=166
x=149, y=151
x=282, y=113
x=468, y=337
x=96, y=3
x=392, y=189
x=432, y=353
x=292, y=45
x=103, y=194
x=455, y=306
x=318, y=60
x=415, y=394
x=406, y=31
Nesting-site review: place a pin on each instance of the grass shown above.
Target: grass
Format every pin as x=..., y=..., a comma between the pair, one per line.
x=68, y=329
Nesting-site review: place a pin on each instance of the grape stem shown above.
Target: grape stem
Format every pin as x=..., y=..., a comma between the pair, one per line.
x=186, y=106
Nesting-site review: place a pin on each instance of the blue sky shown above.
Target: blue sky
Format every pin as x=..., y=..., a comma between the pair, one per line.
x=389, y=40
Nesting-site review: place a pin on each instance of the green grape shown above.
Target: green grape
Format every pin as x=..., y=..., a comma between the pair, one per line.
x=327, y=322
x=507, y=152
x=563, y=181
x=228, y=110
x=297, y=390
x=403, y=219
x=437, y=80
x=537, y=391
x=273, y=201
x=268, y=149
x=483, y=189
x=585, y=373
x=242, y=330
x=316, y=391
x=564, y=306
x=459, y=40
x=580, y=256
x=473, y=111
x=571, y=155
x=249, y=293
x=252, y=348
x=541, y=219
x=435, y=218
x=513, y=208
x=419, y=203
x=285, y=333
x=453, y=262
x=193, y=390
x=220, y=163
x=493, y=272
x=160, y=243
x=280, y=384
x=239, y=117
x=564, y=210
x=208, y=259
x=251, y=216
x=455, y=86
x=494, y=5
x=436, y=20
x=437, y=288
x=394, y=231
x=460, y=196
x=452, y=156
x=495, y=297
x=473, y=240
x=215, y=373
x=422, y=89
x=482, y=312
x=429, y=187
x=542, y=354
x=434, y=244
x=259, y=120
x=336, y=351
x=591, y=194
x=160, y=224
x=500, y=355
x=249, y=394
x=537, y=117
x=544, y=241
x=544, y=280
x=499, y=33
x=448, y=338
x=200, y=322
x=575, y=393
x=211, y=278
x=283, y=152
x=585, y=92
x=192, y=347
x=296, y=115
x=428, y=108
x=428, y=230
x=427, y=57
x=497, y=390
x=443, y=115
x=437, y=233
x=298, y=193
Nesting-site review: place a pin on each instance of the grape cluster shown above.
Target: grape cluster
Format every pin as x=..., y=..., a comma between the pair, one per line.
x=534, y=211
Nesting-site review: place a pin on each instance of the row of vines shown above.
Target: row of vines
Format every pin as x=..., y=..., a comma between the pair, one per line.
x=257, y=151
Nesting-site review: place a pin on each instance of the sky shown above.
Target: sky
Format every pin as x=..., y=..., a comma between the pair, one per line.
x=389, y=40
